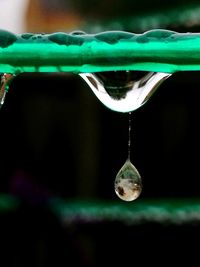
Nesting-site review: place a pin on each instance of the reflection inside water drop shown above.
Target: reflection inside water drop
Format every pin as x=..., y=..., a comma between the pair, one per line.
x=124, y=91
x=5, y=79
x=128, y=183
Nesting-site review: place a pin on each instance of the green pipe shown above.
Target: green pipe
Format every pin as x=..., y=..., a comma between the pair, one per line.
x=174, y=210
x=156, y=50
x=162, y=211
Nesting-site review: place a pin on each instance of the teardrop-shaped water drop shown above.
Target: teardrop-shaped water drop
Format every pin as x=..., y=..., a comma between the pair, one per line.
x=5, y=80
x=128, y=183
x=124, y=91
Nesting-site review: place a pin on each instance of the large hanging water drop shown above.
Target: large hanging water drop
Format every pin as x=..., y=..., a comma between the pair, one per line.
x=124, y=91
x=5, y=79
x=128, y=183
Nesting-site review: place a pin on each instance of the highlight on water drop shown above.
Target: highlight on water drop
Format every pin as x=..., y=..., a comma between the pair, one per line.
x=124, y=91
x=128, y=182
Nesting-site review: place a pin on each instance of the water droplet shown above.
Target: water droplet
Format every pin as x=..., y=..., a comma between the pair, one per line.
x=124, y=91
x=78, y=33
x=5, y=80
x=7, y=38
x=128, y=183
x=61, y=38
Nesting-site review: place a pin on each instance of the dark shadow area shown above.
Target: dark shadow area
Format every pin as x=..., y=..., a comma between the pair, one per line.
x=58, y=140
x=58, y=137
x=34, y=237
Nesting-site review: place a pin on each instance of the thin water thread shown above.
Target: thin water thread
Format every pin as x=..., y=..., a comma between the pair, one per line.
x=129, y=136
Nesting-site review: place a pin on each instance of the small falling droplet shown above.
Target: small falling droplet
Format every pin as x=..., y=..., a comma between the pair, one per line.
x=124, y=91
x=128, y=183
x=5, y=80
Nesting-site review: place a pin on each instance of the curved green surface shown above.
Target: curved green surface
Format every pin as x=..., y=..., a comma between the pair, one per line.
x=174, y=211
x=156, y=50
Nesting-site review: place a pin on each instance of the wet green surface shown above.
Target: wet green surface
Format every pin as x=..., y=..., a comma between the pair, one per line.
x=157, y=50
x=175, y=211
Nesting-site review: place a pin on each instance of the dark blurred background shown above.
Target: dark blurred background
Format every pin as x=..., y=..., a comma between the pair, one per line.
x=58, y=140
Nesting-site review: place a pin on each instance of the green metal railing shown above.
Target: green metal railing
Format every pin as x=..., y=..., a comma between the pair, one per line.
x=156, y=50
x=173, y=211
